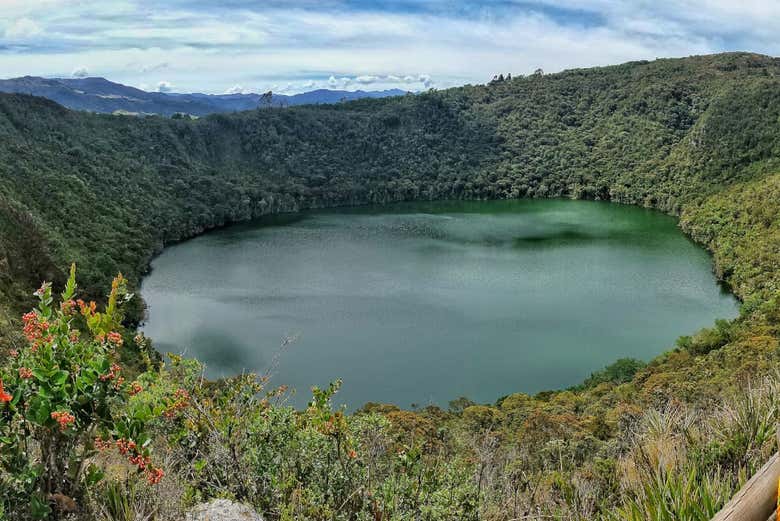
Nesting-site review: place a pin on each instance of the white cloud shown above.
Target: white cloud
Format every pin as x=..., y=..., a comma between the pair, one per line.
x=164, y=86
x=235, y=89
x=214, y=48
x=385, y=81
x=80, y=72
x=23, y=28
x=366, y=80
x=339, y=83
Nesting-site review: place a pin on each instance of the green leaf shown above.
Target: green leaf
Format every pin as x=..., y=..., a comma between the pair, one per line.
x=93, y=475
x=199, y=465
x=17, y=396
x=59, y=378
x=40, y=410
x=70, y=286
x=40, y=375
x=39, y=508
x=143, y=413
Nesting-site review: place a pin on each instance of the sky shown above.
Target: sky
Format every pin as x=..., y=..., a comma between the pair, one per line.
x=220, y=46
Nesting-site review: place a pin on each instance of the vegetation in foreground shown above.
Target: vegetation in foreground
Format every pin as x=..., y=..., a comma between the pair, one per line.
x=672, y=439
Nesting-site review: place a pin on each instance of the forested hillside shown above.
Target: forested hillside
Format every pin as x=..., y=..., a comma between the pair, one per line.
x=658, y=134
x=697, y=137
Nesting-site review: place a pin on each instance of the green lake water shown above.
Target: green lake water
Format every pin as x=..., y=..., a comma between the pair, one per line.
x=425, y=302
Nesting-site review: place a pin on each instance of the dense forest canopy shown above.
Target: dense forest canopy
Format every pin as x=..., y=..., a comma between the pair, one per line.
x=696, y=137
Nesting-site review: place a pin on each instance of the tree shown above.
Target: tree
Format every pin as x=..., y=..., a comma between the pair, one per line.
x=266, y=99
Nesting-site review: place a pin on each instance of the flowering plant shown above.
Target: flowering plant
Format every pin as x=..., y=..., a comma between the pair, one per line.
x=63, y=397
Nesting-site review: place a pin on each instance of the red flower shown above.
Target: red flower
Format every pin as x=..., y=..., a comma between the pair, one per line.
x=129, y=449
x=67, y=306
x=25, y=373
x=139, y=461
x=101, y=444
x=112, y=373
x=121, y=446
x=124, y=446
x=135, y=388
x=64, y=418
x=154, y=475
x=86, y=309
x=115, y=338
x=35, y=329
x=4, y=396
x=32, y=328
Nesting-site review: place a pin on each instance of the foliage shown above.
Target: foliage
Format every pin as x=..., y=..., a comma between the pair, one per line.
x=239, y=440
x=675, y=497
x=741, y=227
x=60, y=397
x=618, y=372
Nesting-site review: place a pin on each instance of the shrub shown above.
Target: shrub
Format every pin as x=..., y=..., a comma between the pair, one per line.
x=62, y=398
x=621, y=371
x=708, y=339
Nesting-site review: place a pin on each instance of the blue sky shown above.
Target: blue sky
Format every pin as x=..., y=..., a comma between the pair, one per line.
x=292, y=46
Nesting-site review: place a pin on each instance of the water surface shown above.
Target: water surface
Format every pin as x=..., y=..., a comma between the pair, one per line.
x=424, y=302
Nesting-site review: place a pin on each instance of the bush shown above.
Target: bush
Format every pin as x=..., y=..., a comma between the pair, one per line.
x=708, y=339
x=63, y=398
x=621, y=371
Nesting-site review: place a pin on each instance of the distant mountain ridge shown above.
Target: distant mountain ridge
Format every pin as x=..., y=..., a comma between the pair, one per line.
x=102, y=95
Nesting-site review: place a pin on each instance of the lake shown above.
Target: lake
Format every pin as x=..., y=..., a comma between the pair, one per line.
x=422, y=303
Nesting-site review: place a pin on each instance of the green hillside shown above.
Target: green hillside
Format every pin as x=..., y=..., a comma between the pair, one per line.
x=696, y=137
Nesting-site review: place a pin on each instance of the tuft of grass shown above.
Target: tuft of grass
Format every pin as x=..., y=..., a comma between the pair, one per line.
x=675, y=496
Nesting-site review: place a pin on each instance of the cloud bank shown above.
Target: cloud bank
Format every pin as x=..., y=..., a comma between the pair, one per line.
x=350, y=44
